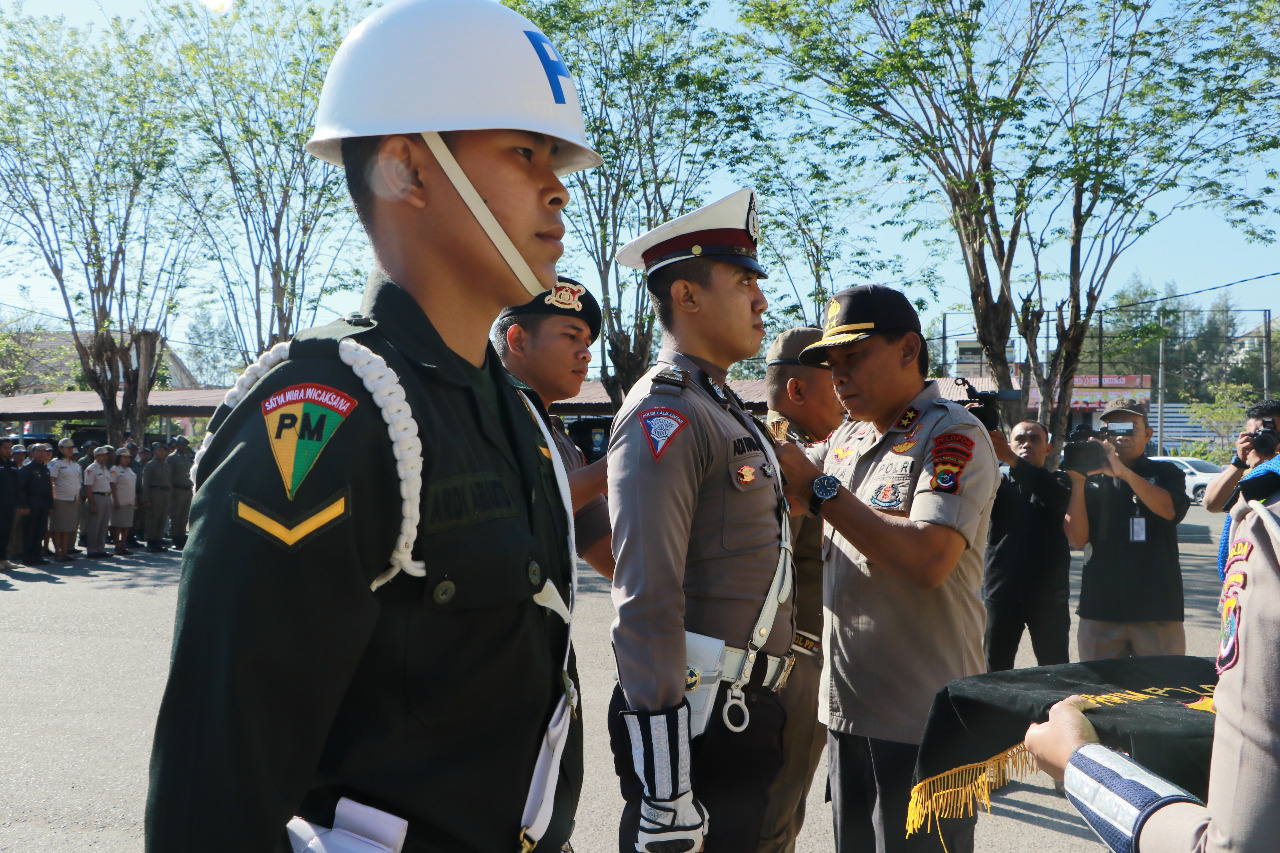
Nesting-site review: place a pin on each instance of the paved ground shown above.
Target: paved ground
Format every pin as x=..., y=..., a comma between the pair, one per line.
x=84, y=650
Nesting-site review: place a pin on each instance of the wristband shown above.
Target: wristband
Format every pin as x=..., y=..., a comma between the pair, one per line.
x=1239, y=463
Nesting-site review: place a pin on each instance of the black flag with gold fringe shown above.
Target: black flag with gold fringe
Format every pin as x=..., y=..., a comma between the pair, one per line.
x=1156, y=709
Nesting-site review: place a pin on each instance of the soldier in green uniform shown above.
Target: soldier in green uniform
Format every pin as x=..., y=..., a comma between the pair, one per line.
x=180, y=462
x=373, y=631
x=157, y=485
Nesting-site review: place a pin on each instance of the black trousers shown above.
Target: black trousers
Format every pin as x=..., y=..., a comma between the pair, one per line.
x=34, y=525
x=1048, y=623
x=870, y=785
x=731, y=771
x=6, y=529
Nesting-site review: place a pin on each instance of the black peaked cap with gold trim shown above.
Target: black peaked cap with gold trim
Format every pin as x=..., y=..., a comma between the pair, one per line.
x=859, y=313
x=726, y=230
x=567, y=299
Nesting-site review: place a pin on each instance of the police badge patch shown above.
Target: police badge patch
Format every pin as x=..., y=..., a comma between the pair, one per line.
x=887, y=496
x=565, y=295
x=660, y=427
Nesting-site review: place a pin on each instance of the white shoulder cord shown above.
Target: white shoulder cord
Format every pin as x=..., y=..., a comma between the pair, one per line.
x=250, y=377
x=1268, y=520
x=380, y=381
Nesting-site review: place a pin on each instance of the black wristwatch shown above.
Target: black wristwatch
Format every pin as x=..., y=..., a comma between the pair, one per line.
x=824, y=489
x=1239, y=463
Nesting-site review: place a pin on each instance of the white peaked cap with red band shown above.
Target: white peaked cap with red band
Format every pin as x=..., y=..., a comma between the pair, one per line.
x=726, y=230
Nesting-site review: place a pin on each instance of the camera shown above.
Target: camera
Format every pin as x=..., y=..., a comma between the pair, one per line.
x=1266, y=439
x=1082, y=455
x=983, y=403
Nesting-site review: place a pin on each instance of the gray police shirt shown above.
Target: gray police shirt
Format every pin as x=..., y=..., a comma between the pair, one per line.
x=696, y=530
x=889, y=645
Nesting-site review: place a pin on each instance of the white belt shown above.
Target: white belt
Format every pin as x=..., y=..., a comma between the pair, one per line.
x=775, y=673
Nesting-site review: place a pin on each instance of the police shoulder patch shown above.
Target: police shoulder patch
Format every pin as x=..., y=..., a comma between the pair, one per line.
x=661, y=426
x=1229, y=604
x=300, y=421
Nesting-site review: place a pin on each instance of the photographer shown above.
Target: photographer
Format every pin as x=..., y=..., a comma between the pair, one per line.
x=1128, y=514
x=1028, y=562
x=1254, y=446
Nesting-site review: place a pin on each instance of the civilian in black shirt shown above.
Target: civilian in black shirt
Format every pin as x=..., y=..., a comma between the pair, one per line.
x=1128, y=513
x=8, y=498
x=1026, y=582
x=35, y=501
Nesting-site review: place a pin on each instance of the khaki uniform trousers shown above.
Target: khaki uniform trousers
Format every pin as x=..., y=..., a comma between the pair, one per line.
x=157, y=514
x=1099, y=640
x=179, y=511
x=99, y=524
x=803, y=739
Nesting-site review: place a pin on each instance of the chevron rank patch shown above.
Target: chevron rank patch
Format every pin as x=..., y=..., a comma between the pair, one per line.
x=300, y=421
x=661, y=426
x=291, y=533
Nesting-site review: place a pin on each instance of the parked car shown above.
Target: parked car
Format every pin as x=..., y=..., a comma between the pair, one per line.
x=1199, y=473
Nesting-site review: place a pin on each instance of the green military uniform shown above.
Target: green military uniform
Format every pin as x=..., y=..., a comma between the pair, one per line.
x=157, y=486
x=293, y=682
x=180, y=462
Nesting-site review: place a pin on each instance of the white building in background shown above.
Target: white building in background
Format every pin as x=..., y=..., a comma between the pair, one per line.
x=971, y=361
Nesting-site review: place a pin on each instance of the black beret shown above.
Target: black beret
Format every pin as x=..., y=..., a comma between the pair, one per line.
x=567, y=299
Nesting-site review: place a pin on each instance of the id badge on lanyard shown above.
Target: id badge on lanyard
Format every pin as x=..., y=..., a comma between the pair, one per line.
x=1137, y=524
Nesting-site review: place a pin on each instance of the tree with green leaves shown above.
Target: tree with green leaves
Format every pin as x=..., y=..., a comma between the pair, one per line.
x=89, y=153
x=1066, y=126
x=277, y=227
x=666, y=109
x=1225, y=415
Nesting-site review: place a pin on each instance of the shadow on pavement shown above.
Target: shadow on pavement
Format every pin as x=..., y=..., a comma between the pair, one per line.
x=26, y=575
x=1034, y=814
x=135, y=571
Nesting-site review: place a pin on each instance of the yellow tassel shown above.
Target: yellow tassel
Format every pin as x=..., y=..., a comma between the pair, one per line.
x=957, y=792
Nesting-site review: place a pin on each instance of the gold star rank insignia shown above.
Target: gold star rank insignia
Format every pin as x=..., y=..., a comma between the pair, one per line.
x=300, y=421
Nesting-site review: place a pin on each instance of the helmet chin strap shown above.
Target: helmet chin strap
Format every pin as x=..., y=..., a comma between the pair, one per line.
x=483, y=215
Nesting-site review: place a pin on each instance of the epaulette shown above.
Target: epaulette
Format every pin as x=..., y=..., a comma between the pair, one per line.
x=672, y=380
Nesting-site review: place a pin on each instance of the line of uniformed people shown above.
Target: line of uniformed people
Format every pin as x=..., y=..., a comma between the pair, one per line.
x=101, y=492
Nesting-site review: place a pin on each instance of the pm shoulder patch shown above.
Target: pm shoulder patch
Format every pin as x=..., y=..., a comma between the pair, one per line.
x=291, y=534
x=300, y=421
x=661, y=426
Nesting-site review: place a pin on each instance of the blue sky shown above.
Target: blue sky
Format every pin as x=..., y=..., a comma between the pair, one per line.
x=1194, y=248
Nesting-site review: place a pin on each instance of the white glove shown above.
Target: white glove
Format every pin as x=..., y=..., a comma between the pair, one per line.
x=671, y=820
x=672, y=826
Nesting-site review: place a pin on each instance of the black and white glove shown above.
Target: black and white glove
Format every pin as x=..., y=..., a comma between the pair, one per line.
x=671, y=820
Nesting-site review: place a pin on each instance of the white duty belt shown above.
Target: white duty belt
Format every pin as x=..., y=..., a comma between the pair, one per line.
x=779, y=591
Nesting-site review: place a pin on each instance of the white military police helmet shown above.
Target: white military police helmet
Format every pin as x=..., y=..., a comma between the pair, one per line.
x=427, y=66
x=437, y=65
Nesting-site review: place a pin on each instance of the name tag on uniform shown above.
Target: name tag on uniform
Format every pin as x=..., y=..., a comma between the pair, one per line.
x=1137, y=530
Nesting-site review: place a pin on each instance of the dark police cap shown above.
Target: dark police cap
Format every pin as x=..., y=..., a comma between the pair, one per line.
x=567, y=299
x=859, y=313
x=788, y=345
